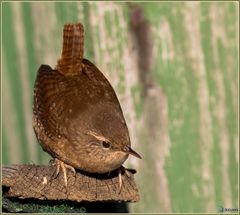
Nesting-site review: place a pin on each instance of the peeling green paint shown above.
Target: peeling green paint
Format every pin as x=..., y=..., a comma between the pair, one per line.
x=9, y=48
x=175, y=76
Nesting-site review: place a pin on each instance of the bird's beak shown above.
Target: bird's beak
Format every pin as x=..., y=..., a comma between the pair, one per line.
x=130, y=151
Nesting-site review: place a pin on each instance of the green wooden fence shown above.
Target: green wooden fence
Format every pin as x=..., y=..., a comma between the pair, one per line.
x=186, y=124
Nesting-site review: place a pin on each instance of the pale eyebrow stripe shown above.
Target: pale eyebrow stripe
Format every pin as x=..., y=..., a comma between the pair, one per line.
x=97, y=136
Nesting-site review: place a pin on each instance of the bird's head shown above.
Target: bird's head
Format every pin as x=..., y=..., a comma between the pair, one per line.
x=104, y=137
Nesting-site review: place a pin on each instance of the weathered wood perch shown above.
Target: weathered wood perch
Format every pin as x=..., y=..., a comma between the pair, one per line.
x=38, y=182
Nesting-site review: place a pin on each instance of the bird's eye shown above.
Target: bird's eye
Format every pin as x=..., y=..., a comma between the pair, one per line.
x=106, y=144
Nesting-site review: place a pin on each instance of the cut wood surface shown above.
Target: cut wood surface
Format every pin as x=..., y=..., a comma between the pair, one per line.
x=38, y=182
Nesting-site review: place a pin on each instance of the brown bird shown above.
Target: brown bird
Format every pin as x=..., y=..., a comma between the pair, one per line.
x=77, y=117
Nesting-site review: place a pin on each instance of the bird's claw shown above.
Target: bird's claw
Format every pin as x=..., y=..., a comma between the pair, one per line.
x=60, y=164
x=120, y=170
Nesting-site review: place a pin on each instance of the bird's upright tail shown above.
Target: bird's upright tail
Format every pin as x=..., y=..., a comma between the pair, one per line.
x=70, y=62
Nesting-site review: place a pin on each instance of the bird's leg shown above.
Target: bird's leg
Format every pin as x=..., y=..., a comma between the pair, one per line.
x=59, y=164
x=56, y=163
x=120, y=179
x=121, y=170
x=125, y=171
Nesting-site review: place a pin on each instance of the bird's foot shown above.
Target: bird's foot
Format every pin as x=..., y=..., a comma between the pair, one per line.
x=60, y=164
x=121, y=170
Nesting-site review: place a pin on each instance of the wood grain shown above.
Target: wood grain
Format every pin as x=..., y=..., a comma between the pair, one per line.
x=38, y=182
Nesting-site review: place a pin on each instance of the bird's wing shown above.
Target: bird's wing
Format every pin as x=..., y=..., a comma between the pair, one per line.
x=104, y=91
x=51, y=95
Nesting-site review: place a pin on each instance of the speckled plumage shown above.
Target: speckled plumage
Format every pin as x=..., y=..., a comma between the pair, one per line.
x=77, y=117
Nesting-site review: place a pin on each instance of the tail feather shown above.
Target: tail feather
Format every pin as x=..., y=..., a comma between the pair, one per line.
x=70, y=62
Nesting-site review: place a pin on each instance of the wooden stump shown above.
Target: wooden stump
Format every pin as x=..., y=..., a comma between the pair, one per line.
x=37, y=182
x=34, y=181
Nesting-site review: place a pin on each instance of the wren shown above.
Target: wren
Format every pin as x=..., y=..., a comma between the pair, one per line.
x=77, y=117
